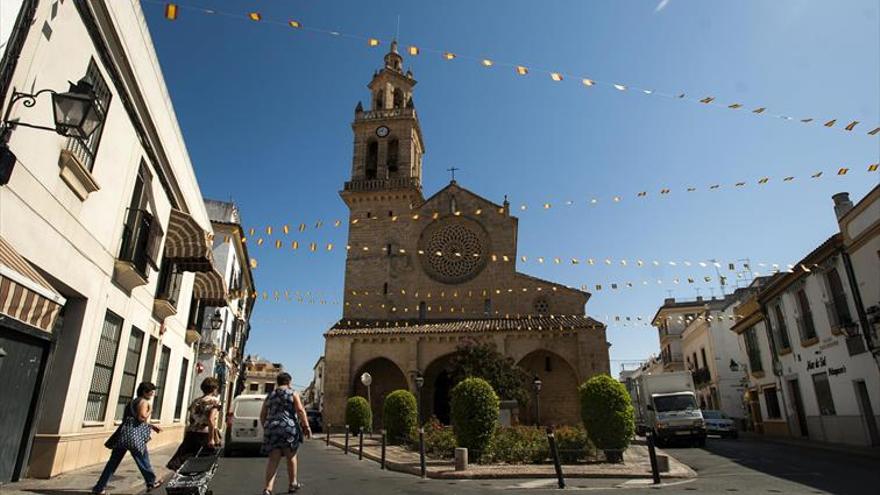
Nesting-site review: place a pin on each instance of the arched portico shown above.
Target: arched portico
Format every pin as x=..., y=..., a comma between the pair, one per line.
x=387, y=377
x=438, y=384
x=559, y=404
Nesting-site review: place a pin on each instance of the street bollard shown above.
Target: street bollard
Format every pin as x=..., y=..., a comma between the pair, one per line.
x=328, y=434
x=361, y=445
x=384, y=439
x=554, y=451
x=346, y=439
x=655, y=470
x=461, y=459
x=422, y=465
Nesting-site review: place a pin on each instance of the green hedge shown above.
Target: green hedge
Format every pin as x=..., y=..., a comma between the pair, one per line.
x=607, y=412
x=573, y=444
x=517, y=445
x=358, y=415
x=474, y=412
x=399, y=415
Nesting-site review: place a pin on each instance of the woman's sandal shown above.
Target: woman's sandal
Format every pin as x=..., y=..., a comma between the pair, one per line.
x=155, y=485
x=267, y=492
x=294, y=487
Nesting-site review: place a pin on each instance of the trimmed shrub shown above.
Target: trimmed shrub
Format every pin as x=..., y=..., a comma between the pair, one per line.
x=517, y=445
x=474, y=412
x=439, y=440
x=358, y=415
x=573, y=444
x=607, y=412
x=399, y=414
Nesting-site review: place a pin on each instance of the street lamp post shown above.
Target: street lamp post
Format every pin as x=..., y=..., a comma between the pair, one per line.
x=537, y=384
x=420, y=381
x=76, y=114
x=367, y=380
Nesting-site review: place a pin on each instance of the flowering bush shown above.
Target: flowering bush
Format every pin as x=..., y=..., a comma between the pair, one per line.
x=516, y=445
x=573, y=444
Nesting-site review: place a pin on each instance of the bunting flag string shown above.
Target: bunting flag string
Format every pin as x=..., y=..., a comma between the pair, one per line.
x=172, y=13
x=710, y=264
x=547, y=206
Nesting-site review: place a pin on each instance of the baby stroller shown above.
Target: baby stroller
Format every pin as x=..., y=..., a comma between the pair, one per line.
x=194, y=476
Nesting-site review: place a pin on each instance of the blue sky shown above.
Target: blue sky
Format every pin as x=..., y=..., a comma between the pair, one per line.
x=266, y=112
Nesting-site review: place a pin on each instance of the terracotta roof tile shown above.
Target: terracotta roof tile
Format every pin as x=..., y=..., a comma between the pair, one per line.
x=536, y=323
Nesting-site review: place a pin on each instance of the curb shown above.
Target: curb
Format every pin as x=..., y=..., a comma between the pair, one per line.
x=456, y=475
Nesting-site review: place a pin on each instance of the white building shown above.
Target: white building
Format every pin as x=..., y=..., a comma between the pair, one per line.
x=671, y=320
x=313, y=396
x=260, y=375
x=224, y=322
x=819, y=336
x=86, y=224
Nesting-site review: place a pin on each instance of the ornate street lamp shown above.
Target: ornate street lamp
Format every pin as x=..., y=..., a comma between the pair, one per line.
x=76, y=111
x=216, y=320
x=537, y=384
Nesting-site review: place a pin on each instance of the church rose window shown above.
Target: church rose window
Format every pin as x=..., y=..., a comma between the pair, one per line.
x=455, y=250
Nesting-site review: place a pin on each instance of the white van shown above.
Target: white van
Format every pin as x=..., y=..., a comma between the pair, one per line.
x=243, y=428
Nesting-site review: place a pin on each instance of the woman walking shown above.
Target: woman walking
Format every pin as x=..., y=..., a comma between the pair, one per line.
x=201, y=429
x=282, y=433
x=132, y=436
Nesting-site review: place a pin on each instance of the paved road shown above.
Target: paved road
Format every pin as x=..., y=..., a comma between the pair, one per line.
x=725, y=466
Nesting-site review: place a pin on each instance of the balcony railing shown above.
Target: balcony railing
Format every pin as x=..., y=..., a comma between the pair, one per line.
x=382, y=184
x=136, y=240
x=701, y=376
x=386, y=113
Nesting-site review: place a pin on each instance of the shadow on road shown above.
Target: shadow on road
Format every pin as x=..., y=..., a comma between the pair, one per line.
x=833, y=472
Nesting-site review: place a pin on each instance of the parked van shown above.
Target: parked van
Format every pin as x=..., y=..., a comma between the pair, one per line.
x=243, y=428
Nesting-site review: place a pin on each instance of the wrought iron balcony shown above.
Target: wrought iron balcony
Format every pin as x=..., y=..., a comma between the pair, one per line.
x=701, y=377
x=136, y=240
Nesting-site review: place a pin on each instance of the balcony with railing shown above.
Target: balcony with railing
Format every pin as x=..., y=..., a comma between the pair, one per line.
x=702, y=377
x=386, y=113
x=168, y=290
x=383, y=184
x=132, y=265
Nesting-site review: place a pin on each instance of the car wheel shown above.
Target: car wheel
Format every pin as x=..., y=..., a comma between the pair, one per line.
x=701, y=442
x=734, y=435
x=228, y=452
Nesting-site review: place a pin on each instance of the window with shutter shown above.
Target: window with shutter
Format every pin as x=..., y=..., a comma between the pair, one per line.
x=105, y=361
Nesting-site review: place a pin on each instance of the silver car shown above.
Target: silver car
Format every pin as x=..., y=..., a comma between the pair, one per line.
x=718, y=423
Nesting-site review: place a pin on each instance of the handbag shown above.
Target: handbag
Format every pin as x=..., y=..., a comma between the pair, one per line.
x=131, y=434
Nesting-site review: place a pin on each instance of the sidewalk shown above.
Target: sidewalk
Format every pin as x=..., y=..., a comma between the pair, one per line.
x=636, y=464
x=126, y=481
x=858, y=450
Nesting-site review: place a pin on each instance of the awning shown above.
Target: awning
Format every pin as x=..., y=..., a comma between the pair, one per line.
x=188, y=244
x=210, y=286
x=24, y=294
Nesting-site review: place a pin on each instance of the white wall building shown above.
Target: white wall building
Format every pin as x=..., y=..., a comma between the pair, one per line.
x=221, y=349
x=87, y=224
x=821, y=338
x=671, y=320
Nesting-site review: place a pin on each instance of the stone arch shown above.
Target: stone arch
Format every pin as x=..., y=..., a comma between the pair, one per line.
x=438, y=384
x=387, y=377
x=558, y=401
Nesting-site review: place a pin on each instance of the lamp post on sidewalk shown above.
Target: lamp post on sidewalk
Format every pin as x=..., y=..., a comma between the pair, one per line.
x=367, y=380
x=537, y=384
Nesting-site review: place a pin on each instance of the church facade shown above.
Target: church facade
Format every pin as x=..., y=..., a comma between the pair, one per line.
x=425, y=275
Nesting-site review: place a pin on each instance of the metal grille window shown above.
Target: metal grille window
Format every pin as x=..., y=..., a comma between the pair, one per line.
x=823, y=394
x=151, y=359
x=772, y=402
x=130, y=370
x=752, y=349
x=181, y=387
x=86, y=149
x=99, y=390
x=806, y=327
x=161, y=378
x=781, y=331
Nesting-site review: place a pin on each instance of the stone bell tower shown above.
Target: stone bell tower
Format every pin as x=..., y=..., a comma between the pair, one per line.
x=386, y=180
